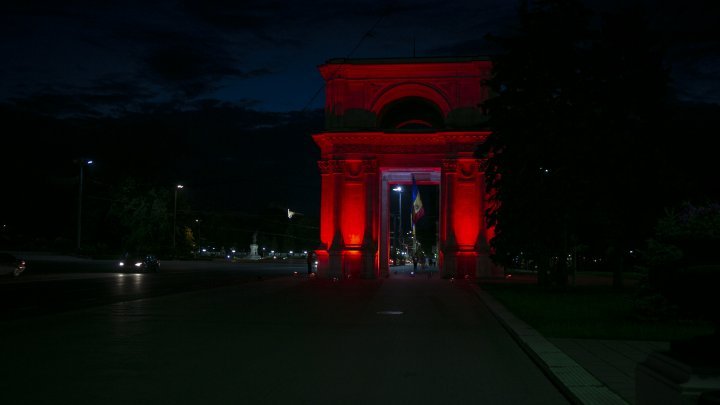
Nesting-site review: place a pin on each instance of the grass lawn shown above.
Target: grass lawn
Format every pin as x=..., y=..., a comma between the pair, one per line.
x=588, y=310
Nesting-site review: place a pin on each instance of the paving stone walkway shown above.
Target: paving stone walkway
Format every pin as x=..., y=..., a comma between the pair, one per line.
x=589, y=371
x=612, y=362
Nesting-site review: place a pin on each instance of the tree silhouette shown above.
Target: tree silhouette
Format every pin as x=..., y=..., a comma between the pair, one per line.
x=143, y=217
x=574, y=144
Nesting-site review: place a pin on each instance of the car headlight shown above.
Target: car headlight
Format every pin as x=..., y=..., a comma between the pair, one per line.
x=121, y=264
x=138, y=264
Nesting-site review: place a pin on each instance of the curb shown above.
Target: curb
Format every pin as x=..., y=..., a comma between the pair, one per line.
x=573, y=380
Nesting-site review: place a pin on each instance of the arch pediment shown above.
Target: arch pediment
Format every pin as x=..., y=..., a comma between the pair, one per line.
x=357, y=91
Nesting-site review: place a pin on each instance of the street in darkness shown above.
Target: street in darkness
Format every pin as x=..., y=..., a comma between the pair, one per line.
x=226, y=334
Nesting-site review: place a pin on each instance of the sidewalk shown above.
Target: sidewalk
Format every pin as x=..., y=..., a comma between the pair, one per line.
x=613, y=362
x=587, y=370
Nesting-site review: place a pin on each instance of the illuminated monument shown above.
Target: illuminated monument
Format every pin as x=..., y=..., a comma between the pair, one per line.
x=386, y=121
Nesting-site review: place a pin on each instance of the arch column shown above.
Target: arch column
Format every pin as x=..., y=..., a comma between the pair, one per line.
x=328, y=253
x=463, y=249
x=349, y=218
x=369, y=250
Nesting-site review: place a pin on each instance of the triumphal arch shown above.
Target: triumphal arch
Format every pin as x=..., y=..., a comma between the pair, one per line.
x=387, y=121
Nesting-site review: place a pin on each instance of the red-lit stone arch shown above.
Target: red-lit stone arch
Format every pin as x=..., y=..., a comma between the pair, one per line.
x=363, y=153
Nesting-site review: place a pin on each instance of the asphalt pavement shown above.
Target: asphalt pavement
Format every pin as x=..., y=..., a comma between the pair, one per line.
x=401, y=340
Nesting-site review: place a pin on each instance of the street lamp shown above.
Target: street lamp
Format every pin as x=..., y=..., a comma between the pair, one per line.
x=178, y=187
x=197, y=222
x=399, y=189
x=82, y=163
x=197, y=232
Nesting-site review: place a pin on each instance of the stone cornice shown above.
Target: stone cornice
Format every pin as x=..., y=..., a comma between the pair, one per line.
x=398, y=68
x=377, y=142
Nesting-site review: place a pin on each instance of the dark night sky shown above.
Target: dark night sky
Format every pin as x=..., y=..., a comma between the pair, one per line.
x=261, y=54
x=207, y=87
x=120, y=55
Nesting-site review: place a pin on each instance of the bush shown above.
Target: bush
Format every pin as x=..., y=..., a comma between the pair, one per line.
x=694, y=230
x=683, y=261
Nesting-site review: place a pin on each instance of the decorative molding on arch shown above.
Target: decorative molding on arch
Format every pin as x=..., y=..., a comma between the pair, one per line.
x=402, y=90
x=334, y=145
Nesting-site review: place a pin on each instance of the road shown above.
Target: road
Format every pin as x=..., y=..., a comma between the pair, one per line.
x=223, y=335
x=58, y=283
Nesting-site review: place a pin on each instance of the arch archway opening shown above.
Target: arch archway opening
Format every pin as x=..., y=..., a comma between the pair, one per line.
x=398, y=243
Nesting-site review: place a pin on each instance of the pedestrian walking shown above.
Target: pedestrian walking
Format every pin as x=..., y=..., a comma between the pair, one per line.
x=310, y=262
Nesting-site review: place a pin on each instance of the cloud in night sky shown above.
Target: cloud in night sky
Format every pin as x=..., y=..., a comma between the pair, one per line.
x=191, y=67
x=183, y=50
x=268, y=51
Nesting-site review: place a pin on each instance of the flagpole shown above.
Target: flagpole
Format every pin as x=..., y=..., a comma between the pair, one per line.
x=417, y=212
x=412, y=229
x=414, y=240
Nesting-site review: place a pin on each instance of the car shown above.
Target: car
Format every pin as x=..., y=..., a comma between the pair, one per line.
x=11, y=265
x=143, y=263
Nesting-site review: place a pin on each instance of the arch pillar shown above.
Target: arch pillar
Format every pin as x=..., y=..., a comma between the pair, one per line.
x=349, y=218
x=464, y=250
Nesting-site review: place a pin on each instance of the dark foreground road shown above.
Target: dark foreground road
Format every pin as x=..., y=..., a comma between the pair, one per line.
x=287, y=340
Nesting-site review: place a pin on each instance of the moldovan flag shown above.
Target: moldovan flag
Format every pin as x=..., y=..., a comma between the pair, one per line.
x=418, y=211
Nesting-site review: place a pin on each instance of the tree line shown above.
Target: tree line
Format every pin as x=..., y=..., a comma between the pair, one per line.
x=590, y=149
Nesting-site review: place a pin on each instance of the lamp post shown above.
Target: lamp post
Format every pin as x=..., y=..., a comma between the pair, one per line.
x=178, y=187
x=82, y=163
x=398, y=233
x=197, y=232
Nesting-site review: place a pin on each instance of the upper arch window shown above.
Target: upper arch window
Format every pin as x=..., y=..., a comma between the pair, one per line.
x=411, y=113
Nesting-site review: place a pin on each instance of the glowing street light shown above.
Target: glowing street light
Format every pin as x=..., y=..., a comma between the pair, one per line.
x=178, y=187
x=82, y=163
